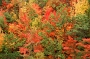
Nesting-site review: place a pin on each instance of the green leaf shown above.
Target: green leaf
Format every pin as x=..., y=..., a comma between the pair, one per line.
x=7, y=1
x=62, y=56
x=39, y=55
x=0, y=2
x=1, y=22
x=8, y=17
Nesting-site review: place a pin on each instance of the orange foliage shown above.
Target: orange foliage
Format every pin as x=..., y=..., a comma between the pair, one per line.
x=36, y=8
x=38, y=48
x=9, y=6
x=23, y=50
x=36, y=38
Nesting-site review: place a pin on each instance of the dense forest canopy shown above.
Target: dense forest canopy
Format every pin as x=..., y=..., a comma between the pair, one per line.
x=44, y=29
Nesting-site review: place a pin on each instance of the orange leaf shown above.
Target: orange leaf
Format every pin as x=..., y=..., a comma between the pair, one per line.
x=9, y=6
x=23, y=50
x=38, y=48
x=69, y=57
x=36, y=38
x=66, y=48
x=36, y=8
x=86, y=39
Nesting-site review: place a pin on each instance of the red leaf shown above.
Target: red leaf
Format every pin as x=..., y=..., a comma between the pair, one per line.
x=24, y=18
x=36, y=8
x=48, y=12
x=36, y=38
x=53, y=23
x=9, y=6
x=52, y=34
x=86, y=56
x=79, y=44
x=21, y=27
x=71, y=40
x=23, y=50
x=69, y=57
x=38, y=48
x=87, y=47
x=28, y=37
x=86, y=39
x=4, y=3
x=50, y=57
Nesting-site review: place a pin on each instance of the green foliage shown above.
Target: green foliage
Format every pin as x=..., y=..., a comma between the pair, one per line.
x=8, y=1
x=42, y=35
x=8, y=17
x=48, y=25
x=32, y=14
x=89, y=1
x=80, y=48
x=88, y=12
x=11, y=46
x=64, y=18
x=2, y=22
x=39, y=55
x=81, y=28
x=61, y=8
x=78, y=55
x=11, y=41
x=52, y=47
x=9, y=54
x=0, y=2
x=41, y=3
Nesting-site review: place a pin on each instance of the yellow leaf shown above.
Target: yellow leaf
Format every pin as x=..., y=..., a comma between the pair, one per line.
x=81, y=6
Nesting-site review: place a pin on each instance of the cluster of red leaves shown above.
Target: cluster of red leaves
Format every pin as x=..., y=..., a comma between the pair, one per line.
x=70, y=48
x=38, y=48
x=48, y=13
x=4, y=3
x=24, y=18
x=23, y=50
x=36, y=38
x=7, y=5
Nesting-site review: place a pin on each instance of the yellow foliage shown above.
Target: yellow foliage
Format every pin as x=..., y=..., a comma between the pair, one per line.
x=14, y=16
x=81, y=6
x=35, y=23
